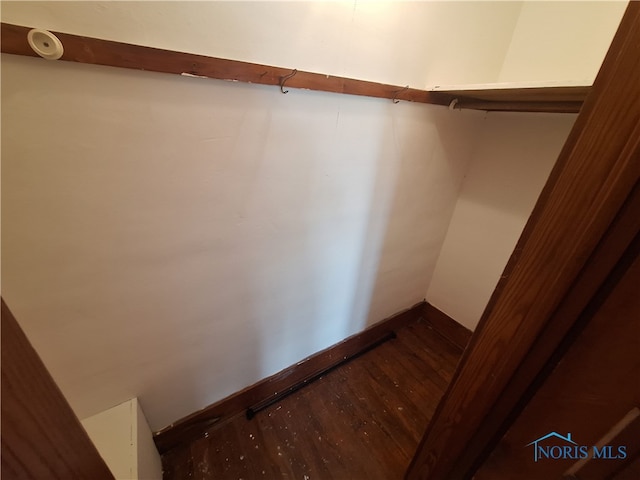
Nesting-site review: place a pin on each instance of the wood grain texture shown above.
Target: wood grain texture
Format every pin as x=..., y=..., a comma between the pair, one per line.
x=123, y=55
x=361, y=421
x=117, y=54
x=630, y=437
x=596, y=384
x=630, y=471
x=534, y=99
x=556, y=338
x=530, y=94
x=195, y=424
x=559, y=106
x=595, y=173
x=41, y=436
x=447, y=326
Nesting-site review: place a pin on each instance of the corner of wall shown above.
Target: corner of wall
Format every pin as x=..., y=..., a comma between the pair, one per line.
x=125, y=442
x=560, y=42
x=149, y=463
x=507, y=172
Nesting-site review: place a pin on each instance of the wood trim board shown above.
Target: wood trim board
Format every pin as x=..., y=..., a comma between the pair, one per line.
x=197, y=423
x=557, y=336
x=124, y=55
x=447, y=327
x=41, y=436
x=594, y=177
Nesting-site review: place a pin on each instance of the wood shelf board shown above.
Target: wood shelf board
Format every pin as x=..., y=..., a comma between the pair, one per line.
x=533, y=94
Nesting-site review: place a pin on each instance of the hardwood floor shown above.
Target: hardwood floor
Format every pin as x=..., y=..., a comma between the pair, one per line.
x=360, y=421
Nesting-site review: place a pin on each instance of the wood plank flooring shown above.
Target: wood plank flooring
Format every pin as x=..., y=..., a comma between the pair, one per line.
x=360, y=421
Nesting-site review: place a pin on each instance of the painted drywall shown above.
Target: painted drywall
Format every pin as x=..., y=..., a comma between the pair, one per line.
x=561, y=41
x=509, y=168
x=113, y=435
x=148, y=458
x=123, y=439
x=178, y=239
x=403, y=43
x=553, y=43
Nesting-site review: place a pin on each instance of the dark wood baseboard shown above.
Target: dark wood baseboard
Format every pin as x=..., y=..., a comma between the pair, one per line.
x=447, y=326
x=195, y=424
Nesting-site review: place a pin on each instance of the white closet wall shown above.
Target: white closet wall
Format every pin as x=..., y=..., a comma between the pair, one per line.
x=561, y=42
x=178, y=239
x=398, y=42
x=510, y=166
x=125, y=442
x=553, y=43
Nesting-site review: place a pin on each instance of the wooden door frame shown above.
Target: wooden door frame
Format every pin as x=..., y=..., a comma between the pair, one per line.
x=583, y=222
x=41, y=436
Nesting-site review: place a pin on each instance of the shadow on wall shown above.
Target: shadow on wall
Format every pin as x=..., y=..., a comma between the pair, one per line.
x=509, y=169
x=295, y=207
x=433, y=148
x=178, y=239
x=372, y=186
x=311, y=191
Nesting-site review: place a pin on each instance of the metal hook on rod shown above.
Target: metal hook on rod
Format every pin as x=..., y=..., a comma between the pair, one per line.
x=285, y=78
x=395, y=95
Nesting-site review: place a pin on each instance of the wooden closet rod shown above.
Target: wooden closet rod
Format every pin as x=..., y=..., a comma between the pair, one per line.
x=124, y=55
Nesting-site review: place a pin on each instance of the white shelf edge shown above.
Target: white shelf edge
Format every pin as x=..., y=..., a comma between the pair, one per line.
x=507, y=85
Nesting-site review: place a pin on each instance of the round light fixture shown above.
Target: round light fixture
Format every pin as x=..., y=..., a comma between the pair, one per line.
x=45, y=44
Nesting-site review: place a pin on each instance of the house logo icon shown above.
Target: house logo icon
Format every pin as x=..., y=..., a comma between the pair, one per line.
x=537, y=450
